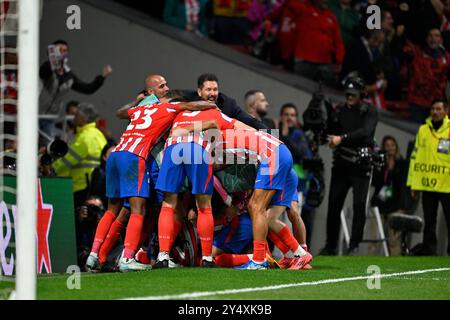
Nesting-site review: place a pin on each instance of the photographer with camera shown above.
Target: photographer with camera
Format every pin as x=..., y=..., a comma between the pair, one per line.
x=300, y=214
x=87, y=217
x=351, y=128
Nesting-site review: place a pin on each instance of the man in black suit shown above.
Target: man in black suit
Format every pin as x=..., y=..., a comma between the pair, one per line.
x=361, y=60
x=208, y=89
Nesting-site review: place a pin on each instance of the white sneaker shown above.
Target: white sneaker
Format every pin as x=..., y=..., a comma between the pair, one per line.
x=127, y=265
x=92, y=263
x=173, y=264
x=162, y=261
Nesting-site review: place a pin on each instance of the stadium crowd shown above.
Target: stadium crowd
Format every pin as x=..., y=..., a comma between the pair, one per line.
x=404, y=63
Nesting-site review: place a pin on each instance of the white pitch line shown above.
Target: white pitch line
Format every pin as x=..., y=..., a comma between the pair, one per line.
x=282, y=286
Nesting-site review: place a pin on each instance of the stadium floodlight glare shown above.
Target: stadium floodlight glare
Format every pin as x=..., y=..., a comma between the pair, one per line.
x=27, y=160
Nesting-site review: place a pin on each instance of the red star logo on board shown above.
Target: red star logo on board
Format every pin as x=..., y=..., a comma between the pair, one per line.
x=44, y=218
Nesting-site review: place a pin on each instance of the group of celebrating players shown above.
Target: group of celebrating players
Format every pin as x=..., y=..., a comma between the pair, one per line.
x=163, y=171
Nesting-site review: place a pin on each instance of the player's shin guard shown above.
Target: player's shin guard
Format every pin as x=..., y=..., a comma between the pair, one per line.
x=133, y=235
x=277, y=242
x=166, y=229
x=176, y=229
x=146, y=230
x=259, y=250
x=102, y=230
x=231, y=260
x=110, y=241
x=205, y=227
x=288, y=239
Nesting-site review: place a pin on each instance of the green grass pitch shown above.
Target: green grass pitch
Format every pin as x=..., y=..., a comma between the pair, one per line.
x=174, y=282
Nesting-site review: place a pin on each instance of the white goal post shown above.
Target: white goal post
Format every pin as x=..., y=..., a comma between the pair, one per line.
x=27, y=143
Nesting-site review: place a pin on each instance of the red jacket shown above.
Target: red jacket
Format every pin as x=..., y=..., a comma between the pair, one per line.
x=427, y=74
x=287, y=32
x=318, y=34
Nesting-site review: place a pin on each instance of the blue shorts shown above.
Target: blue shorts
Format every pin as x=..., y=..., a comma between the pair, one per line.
x=156, y=196
x=236, y=236
x=288, y=194
x=273, y=172
x=183, y=160
x=126, y=176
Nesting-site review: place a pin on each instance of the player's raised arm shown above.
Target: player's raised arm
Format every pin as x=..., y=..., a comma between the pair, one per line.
x=197, y=105
x=240, y=125
x=122, y=112
x=202, y=124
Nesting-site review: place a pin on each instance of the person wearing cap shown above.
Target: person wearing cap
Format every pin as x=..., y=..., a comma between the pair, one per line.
x=351, y=127
x=84, y=152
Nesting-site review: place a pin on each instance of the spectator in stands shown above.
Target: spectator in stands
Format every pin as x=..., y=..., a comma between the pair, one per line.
x=97, y=186
x=84, y=152
x=428, y=78
x=360, y=60
x=258, y=13
x=348, y=19
x=57, y=79
x=422, y=15
x=391, y=193
x=390, y=182
x=319, y=50
x=231, y=25
x=297, y=142
x=445, y=25
x=390, y=52
x=189, y=15
x=286, y=35
x=71, y=110
x=8, y=76
x=257, y=106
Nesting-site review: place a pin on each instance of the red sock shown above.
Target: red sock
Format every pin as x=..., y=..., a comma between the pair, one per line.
x=166, y=228
x=259, y=250
x=278, y=242
x=133, y=234
x=110, y=241
x=176, y=229
x=205, y=227
x=102, y=230
x=146, y=228
x=286, y=236
x=231, y=260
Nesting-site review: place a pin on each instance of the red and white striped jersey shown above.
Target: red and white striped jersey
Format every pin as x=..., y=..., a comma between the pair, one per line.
x=249, y=144
x=148, y=123
x=189, y=118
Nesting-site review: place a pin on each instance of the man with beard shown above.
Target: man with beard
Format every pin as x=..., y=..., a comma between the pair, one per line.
x=257, y=106
x=208, y=89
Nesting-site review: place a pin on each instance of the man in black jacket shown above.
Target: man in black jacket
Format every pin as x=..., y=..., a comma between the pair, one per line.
x=351, y=127
x=57, y=79
x=208, y=89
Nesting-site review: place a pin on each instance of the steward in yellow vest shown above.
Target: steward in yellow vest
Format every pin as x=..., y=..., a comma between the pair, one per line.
x=429, y=172
x=84, y=151
x=429, y=169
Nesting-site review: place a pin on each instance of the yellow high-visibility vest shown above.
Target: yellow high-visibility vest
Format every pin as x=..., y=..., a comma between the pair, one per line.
x=429, y=168
x=83, y=156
